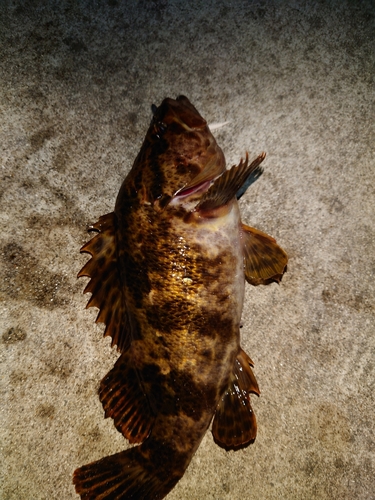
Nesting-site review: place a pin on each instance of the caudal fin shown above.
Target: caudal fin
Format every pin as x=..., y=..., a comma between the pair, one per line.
x=125, y=475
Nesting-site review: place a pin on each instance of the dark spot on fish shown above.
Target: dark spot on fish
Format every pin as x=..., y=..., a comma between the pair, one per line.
x=153, y=355
x=163, y=461
x=168, y=316
x=158, y=180
x=136, y=278
x=101, y=262
x=139, y=238
x=107, y=290
x=150, y=372
x=180, y=212
x=164, y=200
x=162, y=341
x=222, y=297
x=188, y=217
x=97, y=246
x=213, y=324
x=193, y=170
x=182, y=169
x=108, y=252
x=161, y=392
x=193, y=398
x=162, y=351
x=177, y=392
x=207, y=353
x=13, y=335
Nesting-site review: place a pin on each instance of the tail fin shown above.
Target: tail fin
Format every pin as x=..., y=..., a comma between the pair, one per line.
x=125, y=475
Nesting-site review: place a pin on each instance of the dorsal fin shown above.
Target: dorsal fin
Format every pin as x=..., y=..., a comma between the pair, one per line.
x=265, y=262
x=234, y=425
x=105, y=284
x=228, y=184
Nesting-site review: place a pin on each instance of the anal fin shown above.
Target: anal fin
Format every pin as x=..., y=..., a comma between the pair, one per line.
x=105, y=284
x=234, y=425
x=265, y=262
x=124, y=400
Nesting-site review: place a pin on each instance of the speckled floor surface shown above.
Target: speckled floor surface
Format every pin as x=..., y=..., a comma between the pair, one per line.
x=295, y=79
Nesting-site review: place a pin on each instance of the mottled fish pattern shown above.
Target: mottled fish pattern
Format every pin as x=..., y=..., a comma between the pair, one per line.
x=167, y=272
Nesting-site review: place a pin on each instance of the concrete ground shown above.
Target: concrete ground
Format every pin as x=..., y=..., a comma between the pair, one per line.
x=295, y=79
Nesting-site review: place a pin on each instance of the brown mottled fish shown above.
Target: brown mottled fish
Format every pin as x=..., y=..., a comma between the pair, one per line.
x=168, y=270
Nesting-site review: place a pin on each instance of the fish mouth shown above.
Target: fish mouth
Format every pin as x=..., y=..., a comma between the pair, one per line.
x=213, y=169
x=190, y=143
x=202, y=187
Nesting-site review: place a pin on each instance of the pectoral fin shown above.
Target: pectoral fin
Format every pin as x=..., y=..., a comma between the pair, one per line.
x=124, y=400
x=105, y=284
x=265, y=261
x=226, y=187
x=254, y=175
x=234, y=424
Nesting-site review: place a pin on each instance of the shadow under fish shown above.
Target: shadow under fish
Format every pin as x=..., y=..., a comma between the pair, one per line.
x=167, y=272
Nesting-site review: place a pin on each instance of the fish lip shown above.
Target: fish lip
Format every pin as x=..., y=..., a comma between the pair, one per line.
x=201, y=183
x=213, y=169
x=188, y=191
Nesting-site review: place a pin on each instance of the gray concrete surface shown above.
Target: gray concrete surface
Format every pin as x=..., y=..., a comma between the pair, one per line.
x=296, y=79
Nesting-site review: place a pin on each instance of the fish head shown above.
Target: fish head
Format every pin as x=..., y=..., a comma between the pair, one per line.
x=179, y=156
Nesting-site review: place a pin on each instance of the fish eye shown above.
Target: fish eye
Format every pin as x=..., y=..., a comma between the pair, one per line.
x=159, y=128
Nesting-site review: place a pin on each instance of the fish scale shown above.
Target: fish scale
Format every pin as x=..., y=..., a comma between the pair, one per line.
x=167, y=272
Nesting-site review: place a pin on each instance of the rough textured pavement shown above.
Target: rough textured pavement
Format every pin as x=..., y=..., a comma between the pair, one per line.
x=295, y=79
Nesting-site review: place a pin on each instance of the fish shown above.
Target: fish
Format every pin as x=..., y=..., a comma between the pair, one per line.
x=167, y=272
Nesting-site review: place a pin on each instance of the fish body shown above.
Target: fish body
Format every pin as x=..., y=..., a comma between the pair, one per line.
x=168, y=270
